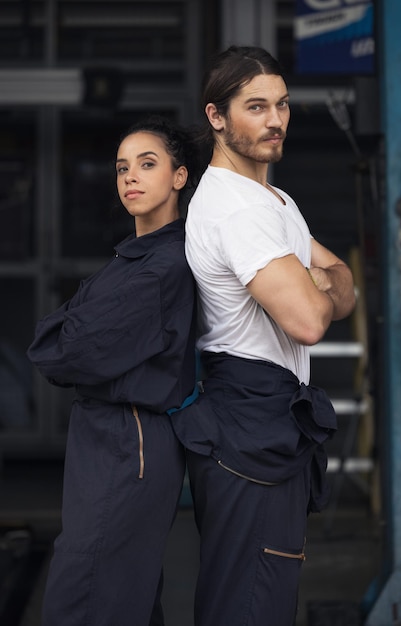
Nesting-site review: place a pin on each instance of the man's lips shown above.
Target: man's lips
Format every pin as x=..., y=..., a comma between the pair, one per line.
x=276, y=138
x=277, y=135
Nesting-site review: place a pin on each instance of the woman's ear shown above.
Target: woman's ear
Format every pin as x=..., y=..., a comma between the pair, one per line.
x=215, y=118
x=180, y=177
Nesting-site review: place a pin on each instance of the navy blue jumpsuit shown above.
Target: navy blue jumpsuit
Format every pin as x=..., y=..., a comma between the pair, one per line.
x=126, y=342
x=256, y=460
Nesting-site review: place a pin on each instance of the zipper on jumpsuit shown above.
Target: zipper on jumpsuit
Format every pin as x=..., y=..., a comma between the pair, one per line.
x=140, y=441
x=253, y=480
x=301, y=556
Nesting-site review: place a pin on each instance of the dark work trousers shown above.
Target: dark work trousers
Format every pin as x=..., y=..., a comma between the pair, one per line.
x=252, y=546
x=118, y=508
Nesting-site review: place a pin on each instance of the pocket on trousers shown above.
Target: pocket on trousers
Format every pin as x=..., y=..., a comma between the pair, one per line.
x=286, y=554
x=275, y=592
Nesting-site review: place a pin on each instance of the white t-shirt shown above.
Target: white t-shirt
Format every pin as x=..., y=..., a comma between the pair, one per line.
x=234, y=228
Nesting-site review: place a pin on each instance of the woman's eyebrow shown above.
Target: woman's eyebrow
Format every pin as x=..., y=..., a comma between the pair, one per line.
x=140, y=155
x=143, y=154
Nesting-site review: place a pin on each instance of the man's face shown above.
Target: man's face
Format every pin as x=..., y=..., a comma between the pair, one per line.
x=257, y=120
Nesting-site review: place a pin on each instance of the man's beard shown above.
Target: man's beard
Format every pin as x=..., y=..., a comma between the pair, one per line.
x=244, y=146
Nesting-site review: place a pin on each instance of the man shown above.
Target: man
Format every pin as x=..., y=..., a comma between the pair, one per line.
x=267, y=291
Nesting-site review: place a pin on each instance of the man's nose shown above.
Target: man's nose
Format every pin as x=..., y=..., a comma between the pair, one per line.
x=274, y=119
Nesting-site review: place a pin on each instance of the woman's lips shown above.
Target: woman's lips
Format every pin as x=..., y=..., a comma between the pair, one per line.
x=133, y=193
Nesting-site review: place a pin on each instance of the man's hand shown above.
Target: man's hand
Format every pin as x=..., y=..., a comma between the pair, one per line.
x=334, y=277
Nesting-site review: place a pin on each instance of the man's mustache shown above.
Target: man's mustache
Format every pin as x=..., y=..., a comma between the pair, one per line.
x=277, y=133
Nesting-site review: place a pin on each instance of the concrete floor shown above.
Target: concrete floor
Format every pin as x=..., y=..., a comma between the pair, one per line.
x=343, y=551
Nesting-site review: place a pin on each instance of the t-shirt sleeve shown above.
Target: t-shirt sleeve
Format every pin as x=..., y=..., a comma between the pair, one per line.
x=250, y=239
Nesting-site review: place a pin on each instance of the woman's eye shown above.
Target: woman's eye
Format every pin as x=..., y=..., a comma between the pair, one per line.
x=148, y=164
x=121, y=170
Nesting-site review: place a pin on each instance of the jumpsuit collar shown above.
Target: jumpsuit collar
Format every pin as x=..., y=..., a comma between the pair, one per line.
x=134, y=247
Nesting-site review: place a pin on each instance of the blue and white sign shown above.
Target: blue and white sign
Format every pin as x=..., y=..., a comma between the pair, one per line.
x=335, y=37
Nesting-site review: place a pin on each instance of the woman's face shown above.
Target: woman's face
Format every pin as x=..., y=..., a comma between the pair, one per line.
x=148, y=185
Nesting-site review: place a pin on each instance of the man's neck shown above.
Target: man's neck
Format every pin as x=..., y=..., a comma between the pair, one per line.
x=240, y=164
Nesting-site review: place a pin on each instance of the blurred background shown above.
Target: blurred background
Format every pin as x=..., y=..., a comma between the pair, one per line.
x=73, y=76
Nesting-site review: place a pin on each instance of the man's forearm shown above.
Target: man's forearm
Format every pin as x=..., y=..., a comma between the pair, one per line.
x=336, y=280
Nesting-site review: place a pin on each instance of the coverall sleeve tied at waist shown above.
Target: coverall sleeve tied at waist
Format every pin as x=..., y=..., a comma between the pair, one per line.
x=268, y=436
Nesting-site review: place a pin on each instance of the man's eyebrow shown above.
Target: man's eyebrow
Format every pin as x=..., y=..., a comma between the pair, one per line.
x=260, y=99
x=255, y=99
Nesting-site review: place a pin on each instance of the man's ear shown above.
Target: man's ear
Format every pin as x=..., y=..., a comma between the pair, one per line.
x=180, y=177
x=215, y=118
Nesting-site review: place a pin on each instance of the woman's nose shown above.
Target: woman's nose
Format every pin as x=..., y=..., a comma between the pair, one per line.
x=131, y=177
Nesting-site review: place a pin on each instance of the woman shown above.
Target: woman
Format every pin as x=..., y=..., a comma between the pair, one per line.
x=126, y=342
